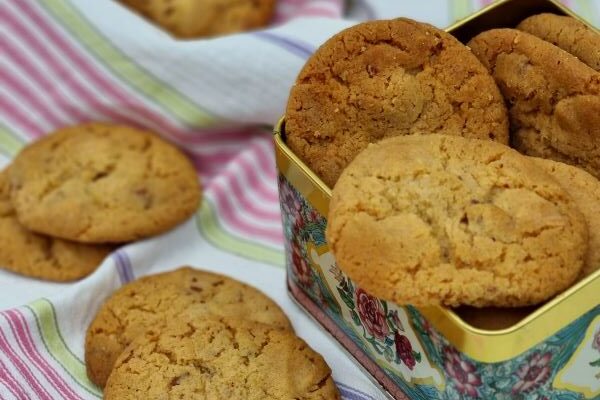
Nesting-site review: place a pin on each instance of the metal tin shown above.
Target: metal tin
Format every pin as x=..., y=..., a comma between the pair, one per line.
x=554, y=352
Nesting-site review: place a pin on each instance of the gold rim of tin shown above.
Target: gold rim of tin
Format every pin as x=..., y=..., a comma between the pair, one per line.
x=303, y=179
x=474, y=15
x=482, y=345
x=296, y=160
x=564, y=9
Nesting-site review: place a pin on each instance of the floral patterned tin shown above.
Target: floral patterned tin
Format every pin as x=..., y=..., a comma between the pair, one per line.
x=431, y=353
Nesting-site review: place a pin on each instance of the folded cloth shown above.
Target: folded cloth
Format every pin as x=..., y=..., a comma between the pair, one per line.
x=68, y=61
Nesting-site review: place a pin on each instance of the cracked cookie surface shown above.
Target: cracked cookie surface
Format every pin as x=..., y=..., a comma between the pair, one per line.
x=567, y=33
x=206, y=18
x=220, y=358
x=585, y=191
x=151, y=301
x=101, y=183
x=552, y=97
x=388, y=78
x=38, y=256
x=436, y=219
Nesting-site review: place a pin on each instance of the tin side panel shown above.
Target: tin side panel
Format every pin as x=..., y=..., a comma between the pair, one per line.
x=403, y=350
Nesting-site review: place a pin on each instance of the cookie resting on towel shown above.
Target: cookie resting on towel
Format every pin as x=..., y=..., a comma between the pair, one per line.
x=152, y=301
x=98, y=183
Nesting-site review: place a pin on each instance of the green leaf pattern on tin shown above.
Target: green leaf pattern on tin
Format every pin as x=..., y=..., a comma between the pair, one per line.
x=532, y=375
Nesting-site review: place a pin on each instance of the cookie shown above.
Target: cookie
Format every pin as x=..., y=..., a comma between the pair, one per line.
x=220, y=359
x=585, y=191
x=154, y=300
x=567, y=33
x=434, y=219
x=553, y=98
x=38, y=256
x=388, y=78
x=206, y=18
x=100, y=183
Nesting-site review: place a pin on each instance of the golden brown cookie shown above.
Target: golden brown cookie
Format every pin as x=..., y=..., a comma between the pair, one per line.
x=38, y=256
x=567, y=33
x=585, y=191
x=101, y=183
x=152, y=301
x=553, y=98
x=388, y=78
x=436, y=219
x=220, y=359
x=194, y=19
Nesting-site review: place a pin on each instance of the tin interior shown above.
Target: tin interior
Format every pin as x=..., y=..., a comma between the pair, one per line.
x=506, y=14
x=526, y=327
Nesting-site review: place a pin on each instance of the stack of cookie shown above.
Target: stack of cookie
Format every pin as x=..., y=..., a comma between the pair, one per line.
x=68, y=199
x=194, y=334
x=553, y=97
x=412, y=129
x=205, y=18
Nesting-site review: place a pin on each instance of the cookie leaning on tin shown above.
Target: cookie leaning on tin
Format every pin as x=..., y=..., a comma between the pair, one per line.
x=152, y=301
x=220, y=358
x=567, y=33
x=553, y=98
x=436, y=219
x=388, y=78
x=206, y=18
x=39, y=256
x=101, y=182
x=585, y=191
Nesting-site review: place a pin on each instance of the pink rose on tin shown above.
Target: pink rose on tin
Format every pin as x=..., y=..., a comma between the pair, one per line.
x=298, y=223
x=289, y=203
x=404, y=350
x=371, y=314
x=313, y=216
x=533, y=373
x=463, y=373
x=301, y=268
